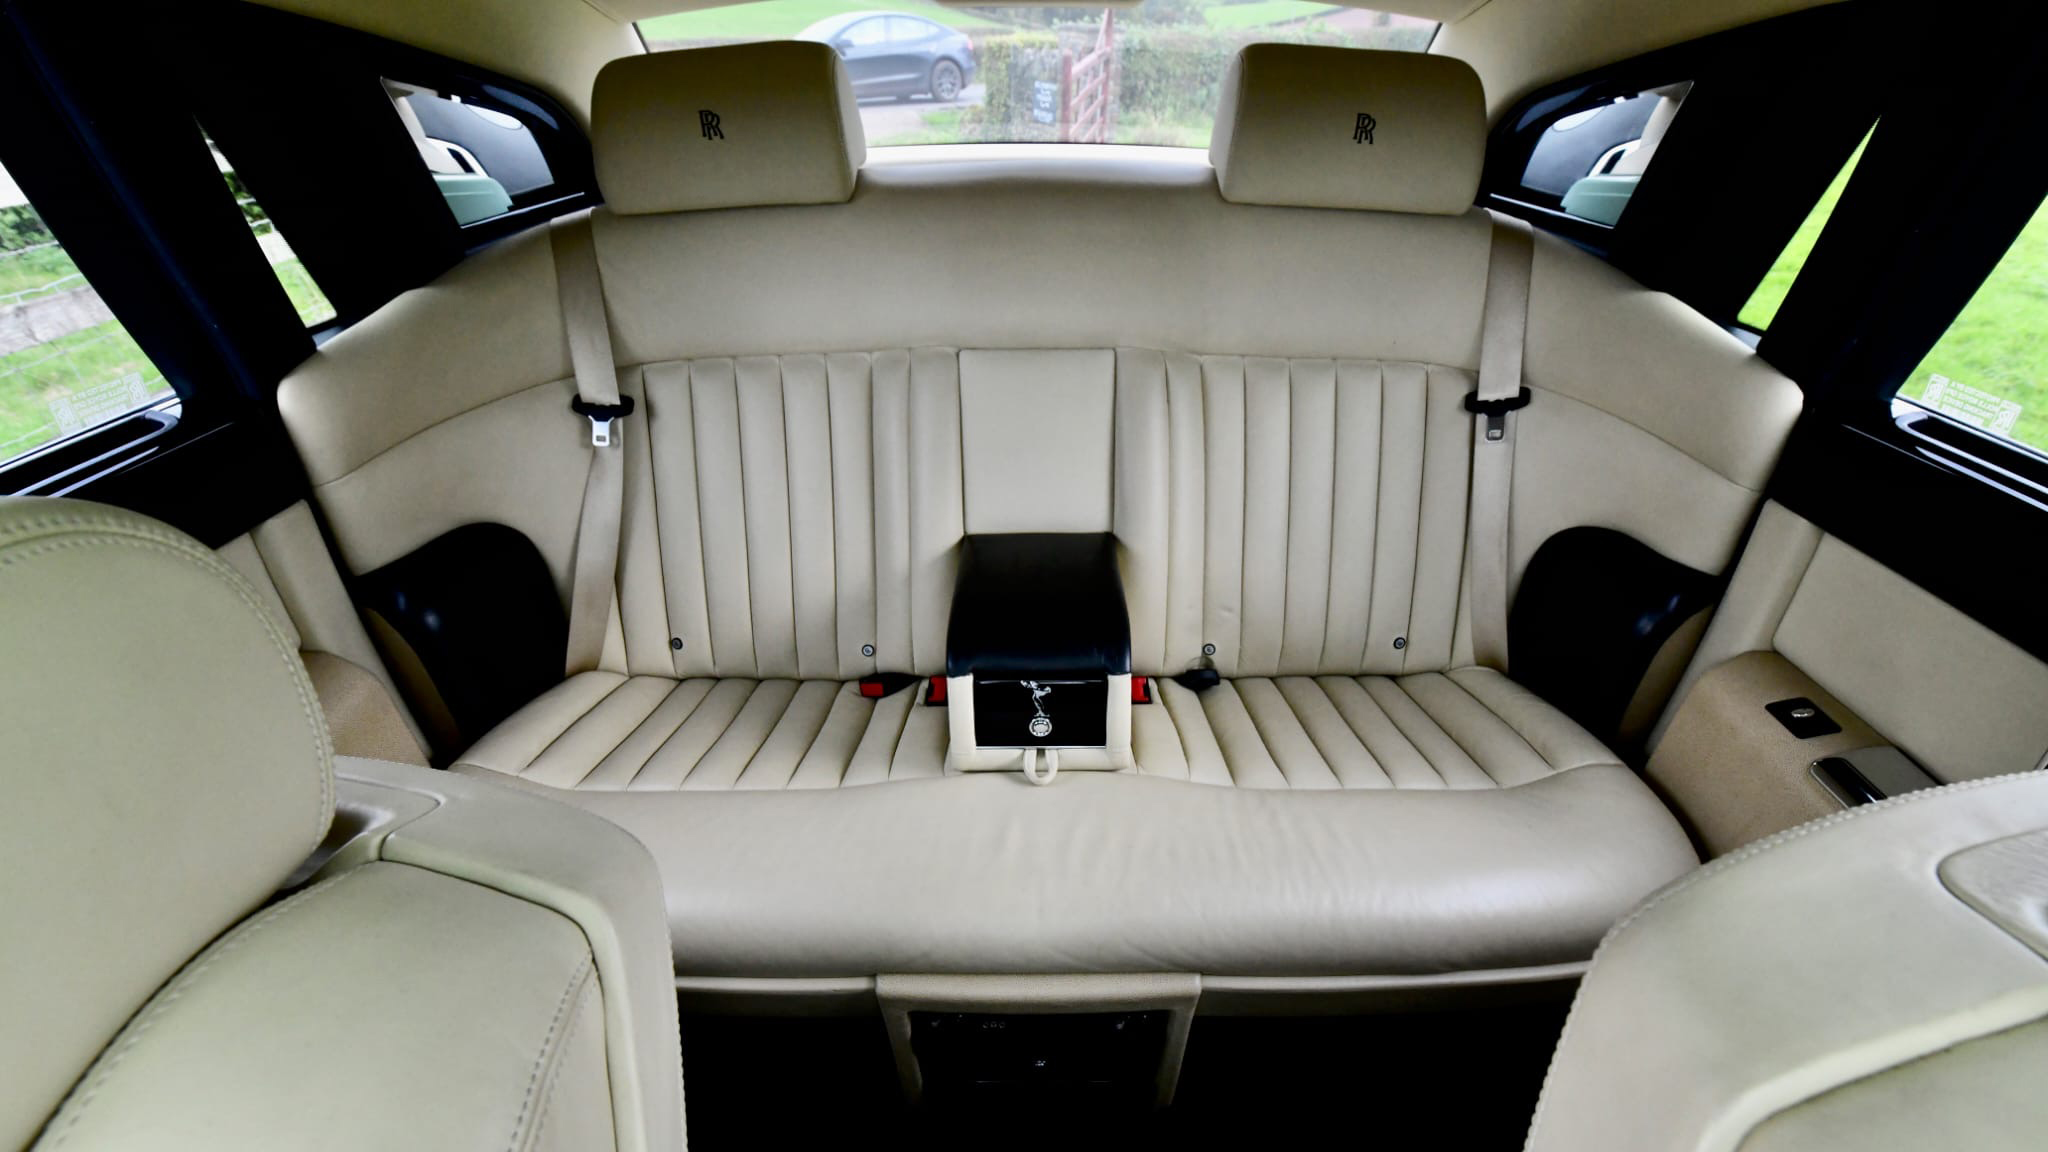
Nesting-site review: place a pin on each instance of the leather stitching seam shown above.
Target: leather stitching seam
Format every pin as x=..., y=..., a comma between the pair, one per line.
x=548, y=1048
x=550, y=1060
x=104, y=1071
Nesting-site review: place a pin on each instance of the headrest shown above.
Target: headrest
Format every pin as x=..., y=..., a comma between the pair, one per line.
x=1314, y=127
x=728, y=127
x=164, y=767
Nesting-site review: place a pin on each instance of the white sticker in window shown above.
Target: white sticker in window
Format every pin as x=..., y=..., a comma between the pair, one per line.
x=1971, y=405
x=95, y=404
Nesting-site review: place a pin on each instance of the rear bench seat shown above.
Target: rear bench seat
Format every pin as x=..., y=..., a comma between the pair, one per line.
x=1253, y=374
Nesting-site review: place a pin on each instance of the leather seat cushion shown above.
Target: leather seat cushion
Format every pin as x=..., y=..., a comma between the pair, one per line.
x=1467, y=728
x=1464, y=729
x=1118, y=872
x=602, y=731
x=1443, y=822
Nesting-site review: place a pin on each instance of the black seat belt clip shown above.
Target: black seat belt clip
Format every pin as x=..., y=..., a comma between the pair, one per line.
x=1496, y=411
x=601, y=417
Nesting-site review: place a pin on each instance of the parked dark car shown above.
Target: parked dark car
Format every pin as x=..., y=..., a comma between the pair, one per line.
x=894, y=54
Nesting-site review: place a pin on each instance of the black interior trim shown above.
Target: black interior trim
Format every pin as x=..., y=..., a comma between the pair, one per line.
x=1775, y=110
x=1594, y=607
x=479, y=609
x=216, y=485
x=1038, y=604
x=334, y=165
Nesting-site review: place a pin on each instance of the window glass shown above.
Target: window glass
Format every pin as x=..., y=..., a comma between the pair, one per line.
x=312, y=304
x=486, y=162
x=1588, y=162
x=1144, y=75
x=865, y=33
x=1990, y=369
x=66, y=364
x=1771, y=291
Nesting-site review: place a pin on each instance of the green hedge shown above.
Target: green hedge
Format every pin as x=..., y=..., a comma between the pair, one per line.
x=1011, y=67
x=21, y=227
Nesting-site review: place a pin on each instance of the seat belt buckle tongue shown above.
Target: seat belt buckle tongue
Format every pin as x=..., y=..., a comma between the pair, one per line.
x=601, y=417
x=1496, y=412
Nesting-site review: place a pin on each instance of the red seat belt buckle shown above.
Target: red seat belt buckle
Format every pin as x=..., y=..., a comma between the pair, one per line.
x=1141, y=689
x=884, y=684
x=935, y=692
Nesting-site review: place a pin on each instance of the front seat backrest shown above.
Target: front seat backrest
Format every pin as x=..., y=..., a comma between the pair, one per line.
x=1874, y=980
x=166, y=767
x=167, y=770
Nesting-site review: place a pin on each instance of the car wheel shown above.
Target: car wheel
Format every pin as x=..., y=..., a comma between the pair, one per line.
x=946, y=81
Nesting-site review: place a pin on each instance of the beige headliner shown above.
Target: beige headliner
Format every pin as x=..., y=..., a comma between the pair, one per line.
x=1516, y=45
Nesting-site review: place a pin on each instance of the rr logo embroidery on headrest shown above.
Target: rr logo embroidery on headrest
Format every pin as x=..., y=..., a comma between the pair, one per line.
x=707, y=121
x=1362, y=134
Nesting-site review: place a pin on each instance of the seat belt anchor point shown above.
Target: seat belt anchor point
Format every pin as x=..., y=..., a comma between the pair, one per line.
x=601, y=417
x=1496, y=411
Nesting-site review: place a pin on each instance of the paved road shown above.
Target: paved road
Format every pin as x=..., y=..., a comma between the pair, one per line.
x=888, y=117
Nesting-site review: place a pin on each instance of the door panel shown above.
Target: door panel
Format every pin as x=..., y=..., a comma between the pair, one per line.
x=1809, y=617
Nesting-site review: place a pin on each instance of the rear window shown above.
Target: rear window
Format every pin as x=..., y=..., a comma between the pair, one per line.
x=926, y=74
x=485, y=161
x=1588, y=160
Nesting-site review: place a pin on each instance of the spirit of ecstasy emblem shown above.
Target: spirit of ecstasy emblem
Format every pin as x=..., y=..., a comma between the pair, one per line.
x=1041, y=724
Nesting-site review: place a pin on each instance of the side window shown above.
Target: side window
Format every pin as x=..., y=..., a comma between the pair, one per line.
x=66, y=364
x=485, y=160
x=313, y=306
x=1587, y=162
x=865, y=33
x=1771, y=291
x=903, y=30
x=1990, y=369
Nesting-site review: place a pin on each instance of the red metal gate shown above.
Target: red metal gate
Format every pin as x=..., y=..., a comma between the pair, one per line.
x=1088, y=89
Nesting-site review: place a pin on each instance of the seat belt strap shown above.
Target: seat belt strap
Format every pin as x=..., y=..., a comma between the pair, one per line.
x=1500, y=395
x=594, y=579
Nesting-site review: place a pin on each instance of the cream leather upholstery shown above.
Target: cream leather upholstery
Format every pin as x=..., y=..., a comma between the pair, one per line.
x=1956, y=696
x=1322, y=127
x=1467, y=728
x=768, y=123
x=1874, y=980
x=168, y=772
x=1263, y=404
x=1116, y=872
x=166, y=767
x=605, y=732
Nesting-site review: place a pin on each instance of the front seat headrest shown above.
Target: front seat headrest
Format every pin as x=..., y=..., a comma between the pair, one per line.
x=1307, y=126
x=735, y=126
x=166, y=767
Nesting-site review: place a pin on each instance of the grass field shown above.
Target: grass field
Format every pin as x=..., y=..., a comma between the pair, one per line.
x=2000, y=342
x=1259, y=13
x=1770, y=293
x=306, y=295
x=768, y=19
x=28, y=271
x=32, y=377
x=1998, y=345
